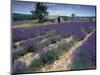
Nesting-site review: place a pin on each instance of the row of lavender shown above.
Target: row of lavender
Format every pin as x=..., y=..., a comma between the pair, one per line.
x=85, y=56
x=66, y=29
x=31, y=38
x=51, y=34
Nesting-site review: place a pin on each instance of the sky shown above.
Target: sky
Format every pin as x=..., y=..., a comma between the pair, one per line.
x=54, y=9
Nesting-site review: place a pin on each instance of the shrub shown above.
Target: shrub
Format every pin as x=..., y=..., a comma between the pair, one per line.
x=49, y=57
x=19, y=67
x=80, y=35
x=50, y=33
x=42, y=33
x=54, y=39
x=72, y=42
x=63, y=46
x=52, y=55
x=16, y=54
x=43, y=44
x=30, y=48
x=36, y=64
x=44, y=58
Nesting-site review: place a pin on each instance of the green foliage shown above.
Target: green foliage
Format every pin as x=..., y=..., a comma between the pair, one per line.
x=54, y=39
x=21, y=17
x=43, y=44
x=65, y=17
x=49, y=57
x=78, y=66
x=45, y=58
x=63, y=47
x=17, y=54
x=36, y=64
x=31, y=48
x=50, y=33
x=40, y=11
x=72, y=42
x=22, y=52
x=73, y=15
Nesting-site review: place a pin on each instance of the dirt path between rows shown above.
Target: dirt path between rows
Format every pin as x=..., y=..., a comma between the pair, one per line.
x=64, y=62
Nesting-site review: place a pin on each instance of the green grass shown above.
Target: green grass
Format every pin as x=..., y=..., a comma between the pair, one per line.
x=36, y=64
x=78, y=66
x=65, y=47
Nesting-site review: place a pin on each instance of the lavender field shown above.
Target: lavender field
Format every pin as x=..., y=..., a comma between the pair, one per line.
x=46, y=42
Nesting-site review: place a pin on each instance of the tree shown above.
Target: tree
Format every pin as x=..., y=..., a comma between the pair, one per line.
x=40, y=11
x=73, y=15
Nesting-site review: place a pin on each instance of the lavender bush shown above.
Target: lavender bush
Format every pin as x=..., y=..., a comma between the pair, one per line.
x=19, y=67
x=50, y=56
x=85, y=56
x=65, y=30
x=36, y=64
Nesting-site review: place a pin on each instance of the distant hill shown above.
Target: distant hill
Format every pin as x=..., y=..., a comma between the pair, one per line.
x=19, y=16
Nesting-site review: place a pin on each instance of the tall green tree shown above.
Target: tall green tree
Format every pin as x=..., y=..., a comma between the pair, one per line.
x=40, y=11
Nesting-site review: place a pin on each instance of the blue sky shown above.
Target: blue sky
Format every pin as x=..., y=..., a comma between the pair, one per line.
x=54, y=9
